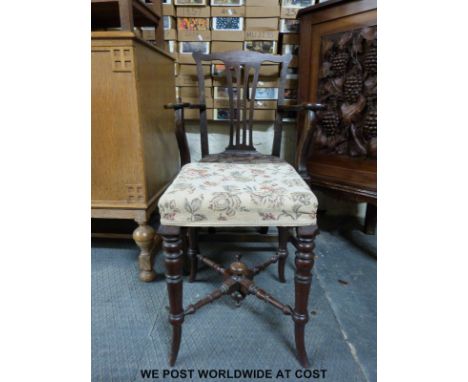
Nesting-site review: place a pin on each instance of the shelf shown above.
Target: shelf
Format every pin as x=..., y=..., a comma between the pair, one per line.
x=122, y=13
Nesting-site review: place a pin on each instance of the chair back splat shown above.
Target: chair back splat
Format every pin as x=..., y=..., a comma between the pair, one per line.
x=242, y=70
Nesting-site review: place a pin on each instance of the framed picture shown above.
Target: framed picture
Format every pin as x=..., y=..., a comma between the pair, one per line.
x=217, y=70
x=228, y=23
x=190, y=2
x=227, y=3
x=289, y=26
x=193, y=23
x=189, y=47
x=223, y=114
x=168, y=22
x=171, y=46
x=265, y=93
x=221, y=92
x=296, y=3
x=290, y=93
x=291, y=74
x=290, y=48
x=261, y=46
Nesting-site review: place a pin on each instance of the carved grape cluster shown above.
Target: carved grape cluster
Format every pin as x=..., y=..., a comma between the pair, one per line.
x=370, y=60
x=370, y=124
x=352, y=87
x=339, y=62
x=330, y=121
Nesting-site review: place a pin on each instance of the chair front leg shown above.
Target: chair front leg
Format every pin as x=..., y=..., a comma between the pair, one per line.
x=303, y=277
x=174, y=262
x=283, y=236
x=193, y=251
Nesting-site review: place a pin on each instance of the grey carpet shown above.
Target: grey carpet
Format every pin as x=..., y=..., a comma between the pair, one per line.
x=130, y=331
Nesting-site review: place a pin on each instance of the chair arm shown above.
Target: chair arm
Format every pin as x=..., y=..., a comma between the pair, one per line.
x=180, y=133
x=302, y=107
x=185, y=105
x=306, y=136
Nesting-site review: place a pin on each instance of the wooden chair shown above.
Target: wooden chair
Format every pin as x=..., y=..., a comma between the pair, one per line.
x=239, y=187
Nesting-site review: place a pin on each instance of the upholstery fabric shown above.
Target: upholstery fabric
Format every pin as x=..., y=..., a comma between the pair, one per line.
x=233, y=194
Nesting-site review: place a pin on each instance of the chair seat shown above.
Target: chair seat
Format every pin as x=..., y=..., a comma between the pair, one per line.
x=233, y=194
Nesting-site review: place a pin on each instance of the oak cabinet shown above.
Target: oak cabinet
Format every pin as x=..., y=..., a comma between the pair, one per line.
x=134, y=150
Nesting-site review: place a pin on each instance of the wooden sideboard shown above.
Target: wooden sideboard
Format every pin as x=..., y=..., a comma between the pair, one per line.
x=134, y=150
x=338, y=67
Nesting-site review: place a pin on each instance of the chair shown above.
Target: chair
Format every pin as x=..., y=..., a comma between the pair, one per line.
x=237, y=188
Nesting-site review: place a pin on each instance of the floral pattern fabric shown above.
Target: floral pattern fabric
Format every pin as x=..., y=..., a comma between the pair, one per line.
x=232, y=194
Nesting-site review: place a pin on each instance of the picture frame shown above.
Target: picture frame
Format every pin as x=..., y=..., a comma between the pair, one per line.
x=222, y=114
x=292, y=74
x=171, y=46
x=189, y=47
x=261, y=46
x=289, y=26
x=290, y=48
x=190, y=2
x=290, y=93
x=168, y=23
x=296, y=3
x=265, y=93
x=227, y=23
x=218, y=70
x=221, y=92
x=193, y=23
x=227, y=3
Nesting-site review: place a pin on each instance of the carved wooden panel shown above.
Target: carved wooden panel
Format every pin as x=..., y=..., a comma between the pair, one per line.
x=348, y=86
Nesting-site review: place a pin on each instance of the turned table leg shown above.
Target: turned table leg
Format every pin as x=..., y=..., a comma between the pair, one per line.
x=283, y=236
x=193, y=251
x=174, y=268
x=303, y=277
x=144, y=236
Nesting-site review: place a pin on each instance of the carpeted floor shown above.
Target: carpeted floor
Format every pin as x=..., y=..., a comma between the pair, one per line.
x=130, y=331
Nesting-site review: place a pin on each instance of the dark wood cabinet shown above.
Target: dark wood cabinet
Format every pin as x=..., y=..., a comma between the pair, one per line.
x=338, y=67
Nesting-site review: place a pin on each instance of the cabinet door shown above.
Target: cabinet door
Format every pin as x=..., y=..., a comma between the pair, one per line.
x=340, y=63
x=117, y=173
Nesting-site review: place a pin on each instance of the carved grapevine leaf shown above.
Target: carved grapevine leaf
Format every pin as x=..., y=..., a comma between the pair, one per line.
x=369, y=33
x=345, y=39
x=350, y=112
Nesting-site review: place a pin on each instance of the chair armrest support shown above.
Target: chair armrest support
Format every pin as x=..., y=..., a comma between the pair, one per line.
x=307, y=133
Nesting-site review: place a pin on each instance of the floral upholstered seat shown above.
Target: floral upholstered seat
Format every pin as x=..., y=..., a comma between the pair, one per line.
x=233, y=194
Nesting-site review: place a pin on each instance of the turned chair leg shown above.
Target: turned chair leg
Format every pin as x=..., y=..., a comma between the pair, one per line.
x=174, y=268
x=144, y=236
x=371, y=219
x=303, y=277
x=283, y=236
x=193, y=251
x=262, y=230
